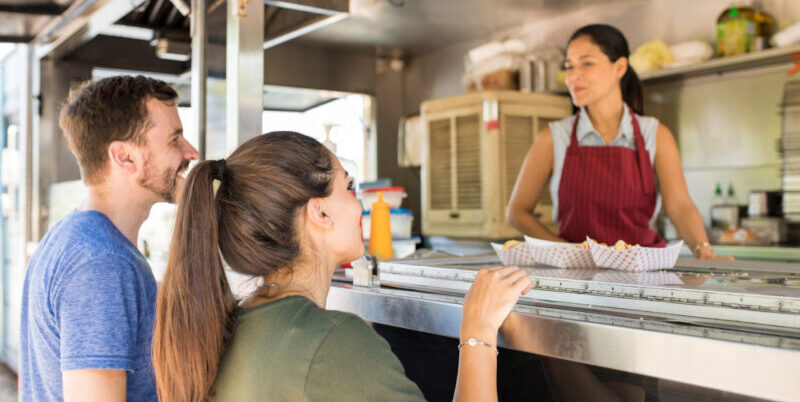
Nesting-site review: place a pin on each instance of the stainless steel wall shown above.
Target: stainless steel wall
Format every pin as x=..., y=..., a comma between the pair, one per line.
x=727, y=129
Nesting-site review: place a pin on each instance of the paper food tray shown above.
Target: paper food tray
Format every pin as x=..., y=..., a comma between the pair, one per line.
x=636, y=259
x=519, y=255
x=561, y=255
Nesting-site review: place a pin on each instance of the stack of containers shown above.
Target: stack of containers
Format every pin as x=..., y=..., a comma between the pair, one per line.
x=790, y=148
x=400, y=219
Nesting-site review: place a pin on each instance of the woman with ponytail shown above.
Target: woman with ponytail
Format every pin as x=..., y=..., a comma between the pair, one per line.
x=609, y=166
x=280, y=210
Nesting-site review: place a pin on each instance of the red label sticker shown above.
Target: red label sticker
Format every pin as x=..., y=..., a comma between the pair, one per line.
x=493, y=124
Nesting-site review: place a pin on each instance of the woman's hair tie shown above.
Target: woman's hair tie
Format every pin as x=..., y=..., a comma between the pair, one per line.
x=220, y=171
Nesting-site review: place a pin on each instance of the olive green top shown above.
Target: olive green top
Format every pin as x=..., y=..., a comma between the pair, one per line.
x=292, y=350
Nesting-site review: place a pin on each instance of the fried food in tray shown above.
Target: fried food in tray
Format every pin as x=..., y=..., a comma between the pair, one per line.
x=618, y=246
x=514, y=252
x=511, y=244
x=634, y=258
x=559, y=254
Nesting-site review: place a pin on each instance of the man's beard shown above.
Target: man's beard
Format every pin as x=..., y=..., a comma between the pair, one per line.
x=163, y=183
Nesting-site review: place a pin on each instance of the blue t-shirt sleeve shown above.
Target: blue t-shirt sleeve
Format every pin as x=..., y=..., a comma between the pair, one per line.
x=97, y=310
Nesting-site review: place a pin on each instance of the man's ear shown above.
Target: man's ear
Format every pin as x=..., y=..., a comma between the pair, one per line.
x=124, y=156
x=315, y=213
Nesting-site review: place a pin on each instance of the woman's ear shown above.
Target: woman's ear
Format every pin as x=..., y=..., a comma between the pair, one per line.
x=315, y=213
x=621, y=67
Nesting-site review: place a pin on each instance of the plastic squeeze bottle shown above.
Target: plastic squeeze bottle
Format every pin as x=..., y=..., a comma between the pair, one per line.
x=380, y=238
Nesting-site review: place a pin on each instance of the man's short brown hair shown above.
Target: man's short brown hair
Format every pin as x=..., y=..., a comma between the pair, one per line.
x=101, y=112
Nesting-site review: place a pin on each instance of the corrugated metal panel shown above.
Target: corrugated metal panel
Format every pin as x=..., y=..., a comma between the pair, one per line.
x=468, y=159
x=518, y=140
x=439, y=146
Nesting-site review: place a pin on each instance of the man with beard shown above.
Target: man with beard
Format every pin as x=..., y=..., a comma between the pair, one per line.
x=89, y=295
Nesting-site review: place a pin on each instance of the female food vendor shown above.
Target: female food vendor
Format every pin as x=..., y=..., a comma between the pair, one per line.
x=609, y=165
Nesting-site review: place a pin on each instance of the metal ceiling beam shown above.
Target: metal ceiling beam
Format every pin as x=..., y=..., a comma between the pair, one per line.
x=310, y=25
x=172, y=17
x=199, y=72
x=325, y=7
x=156, y=12
x=129, y=31
x=35, y=9
x=244, y=71
x=181, y=6
x=318, y=14
x=80, y=23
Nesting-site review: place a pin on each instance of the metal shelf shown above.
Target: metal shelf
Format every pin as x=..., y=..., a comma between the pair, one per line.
x=721, y=65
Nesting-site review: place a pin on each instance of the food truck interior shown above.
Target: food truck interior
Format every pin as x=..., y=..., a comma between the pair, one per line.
x=440, y=100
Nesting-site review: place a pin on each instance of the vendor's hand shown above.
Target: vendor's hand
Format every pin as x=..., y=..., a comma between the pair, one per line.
x=490, y=299
x=707, y=253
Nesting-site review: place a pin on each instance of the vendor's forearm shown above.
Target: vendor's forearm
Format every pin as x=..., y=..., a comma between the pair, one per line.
x=528, y=224
x=689, y=224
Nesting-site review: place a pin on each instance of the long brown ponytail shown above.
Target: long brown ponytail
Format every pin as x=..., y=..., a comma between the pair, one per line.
x=195, y=303
x=251, y=221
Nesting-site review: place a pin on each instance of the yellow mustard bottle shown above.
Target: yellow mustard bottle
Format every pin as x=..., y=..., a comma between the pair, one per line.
x=380, y=232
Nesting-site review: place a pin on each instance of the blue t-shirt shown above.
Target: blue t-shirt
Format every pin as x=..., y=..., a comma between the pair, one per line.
x=88, y=303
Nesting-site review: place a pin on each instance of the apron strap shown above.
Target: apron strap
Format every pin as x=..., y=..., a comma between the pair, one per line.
x=643, y=157
x=573, y=142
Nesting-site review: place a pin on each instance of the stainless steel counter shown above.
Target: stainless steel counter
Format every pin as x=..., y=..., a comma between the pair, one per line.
x=760, y=253
x=724, y=326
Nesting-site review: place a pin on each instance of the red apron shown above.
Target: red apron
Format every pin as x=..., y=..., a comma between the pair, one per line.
x=608, y=192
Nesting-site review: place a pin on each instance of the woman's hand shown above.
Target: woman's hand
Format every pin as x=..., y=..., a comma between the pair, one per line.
x=707, y=253
x=704, y=251
x=490, y=299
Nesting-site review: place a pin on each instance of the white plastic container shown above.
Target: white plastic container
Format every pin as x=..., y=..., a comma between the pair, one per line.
x=391, y=195
x=399, y=221
x=402, y=248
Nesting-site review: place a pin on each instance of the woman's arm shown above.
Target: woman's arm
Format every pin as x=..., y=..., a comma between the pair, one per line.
x=487, y=304
x=532, y=178
x=679, y=206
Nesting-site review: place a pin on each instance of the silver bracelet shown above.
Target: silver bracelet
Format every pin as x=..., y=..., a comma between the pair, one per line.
x=474, y=342
x=699, y=246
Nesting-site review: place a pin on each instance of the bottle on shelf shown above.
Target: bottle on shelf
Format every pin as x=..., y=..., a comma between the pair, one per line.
x=743, y=28
x=731, y=196
x=718, y=199
x=380, y=242
x=724, y=209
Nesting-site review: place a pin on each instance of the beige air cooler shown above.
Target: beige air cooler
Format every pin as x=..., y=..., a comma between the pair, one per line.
x=474, y=147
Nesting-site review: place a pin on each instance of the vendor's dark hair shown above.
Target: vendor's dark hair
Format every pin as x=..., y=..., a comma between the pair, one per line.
x=251, y=223
x=613, y=43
